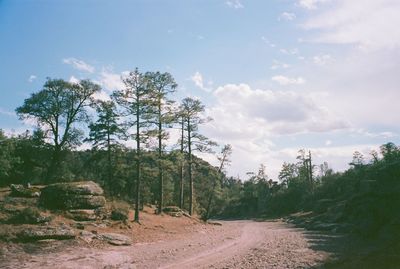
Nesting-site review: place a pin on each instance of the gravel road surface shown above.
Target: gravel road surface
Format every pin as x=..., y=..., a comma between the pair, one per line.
x=235, y=244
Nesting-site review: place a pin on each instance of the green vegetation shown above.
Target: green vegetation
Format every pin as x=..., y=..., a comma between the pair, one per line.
x=142, y=113
x=365, y=198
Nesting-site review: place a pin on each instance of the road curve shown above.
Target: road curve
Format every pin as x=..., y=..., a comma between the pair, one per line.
x=235, y=244
x=260, y=245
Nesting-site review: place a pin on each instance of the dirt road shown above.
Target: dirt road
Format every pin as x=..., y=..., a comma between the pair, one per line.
x=235, y=244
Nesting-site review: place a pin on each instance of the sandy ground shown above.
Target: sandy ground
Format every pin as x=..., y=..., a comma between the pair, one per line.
x=235, y=244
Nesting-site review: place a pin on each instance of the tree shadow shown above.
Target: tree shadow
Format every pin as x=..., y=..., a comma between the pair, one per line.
x=350, y=251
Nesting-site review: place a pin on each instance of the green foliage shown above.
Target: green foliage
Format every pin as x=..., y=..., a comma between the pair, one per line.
x=191, y=111
x=56, y=109
x=106, y=131
x=160, y=115
x=151, y=174
x=8, y=160
x=105, y=134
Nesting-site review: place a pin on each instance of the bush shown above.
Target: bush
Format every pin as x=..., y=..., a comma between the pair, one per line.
x=120, y=213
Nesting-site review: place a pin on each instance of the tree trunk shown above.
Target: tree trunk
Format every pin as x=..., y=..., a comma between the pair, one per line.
x=110, y=172
x=190, y=171
x=54, y=164
x=181, y=172
x=56, y=155
x=137, y=201
x=160, y=169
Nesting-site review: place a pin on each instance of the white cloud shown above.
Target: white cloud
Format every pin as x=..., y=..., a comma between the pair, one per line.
x=384, y=135
x=79, y=65
x=287, y=16
x=364, y=72
x=279, y=65
x=269, y=112
x=328, y=142
x=111, y=81
x=368, y=25
x=236, y=4
x=289, y=51
x=338, y=157
x=361, y=86
x=310, y=4
x=322, y=59
x=102, y=95
x=197, y=78
x=7, y=113
x=32, y=78
x=266, y=41
x=250, y=119
x=74, y=80
x=284, y=81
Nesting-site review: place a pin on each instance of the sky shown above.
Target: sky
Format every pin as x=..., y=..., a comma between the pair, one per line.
x=276, y=76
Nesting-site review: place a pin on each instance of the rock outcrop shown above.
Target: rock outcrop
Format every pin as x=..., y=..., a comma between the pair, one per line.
x=115, y=239
x=82, y=214
x=29, y=215
x=18, y=190
x=45, y=232
x=73, y=195
x=175, y=211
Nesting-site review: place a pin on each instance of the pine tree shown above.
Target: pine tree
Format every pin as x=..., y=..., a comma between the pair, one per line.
x=160, y=85
x=134, y=99
x=105, y=134
x=192, y=111
x=224, y=160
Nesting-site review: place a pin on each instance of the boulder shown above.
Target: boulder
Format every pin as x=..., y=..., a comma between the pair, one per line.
x=45, y=232
x=18, y=190
x=84, y=202
x=15, y=203
x=175, y=214
x=115, y=239
x=78, y=225
x=29, y=215
x=168, y=209
x=77, y=188
x=73, y=202
x=175, y=211
x=74, y=195
x=82, y=214
x=120, y=213
x=87, y=236
x=102, y=213
x=214, y=223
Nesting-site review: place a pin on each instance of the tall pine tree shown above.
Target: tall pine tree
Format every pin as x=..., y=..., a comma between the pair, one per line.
x=134, y=99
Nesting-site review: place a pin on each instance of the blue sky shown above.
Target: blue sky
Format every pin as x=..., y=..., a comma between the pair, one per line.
x=275, y=75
